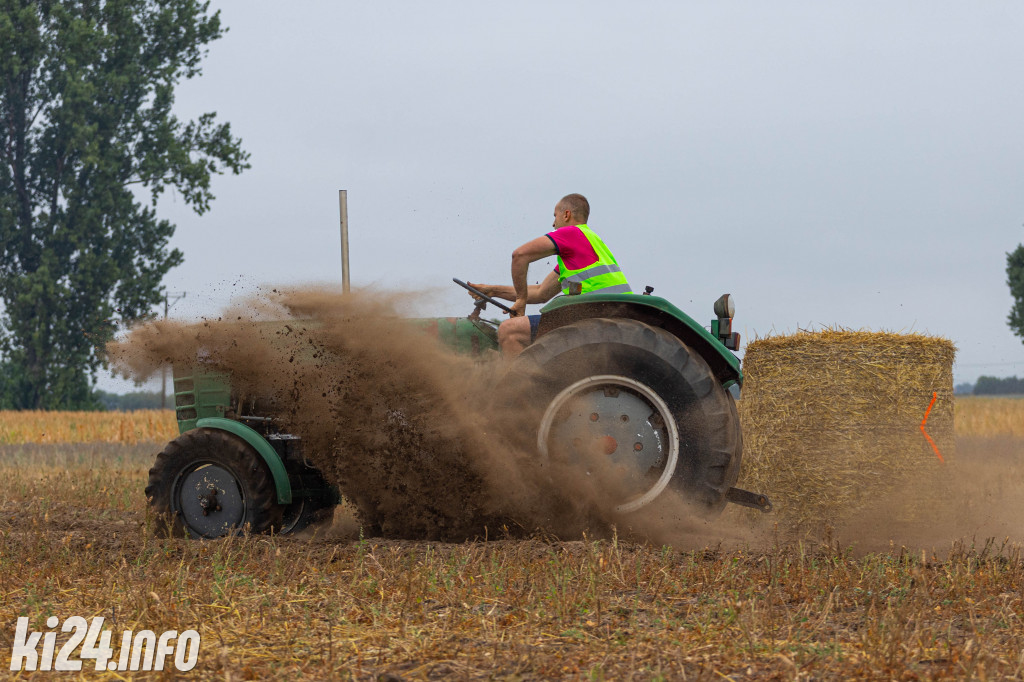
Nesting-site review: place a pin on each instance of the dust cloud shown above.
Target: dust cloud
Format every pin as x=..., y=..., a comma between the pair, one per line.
x=974, y=499
x=976, y=495
x=422, y=441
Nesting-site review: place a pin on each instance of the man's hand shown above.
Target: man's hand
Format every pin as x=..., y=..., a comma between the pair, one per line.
x=518, y=308
x=482, y=288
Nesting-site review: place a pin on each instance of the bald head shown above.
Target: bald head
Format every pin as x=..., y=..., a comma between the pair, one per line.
x=577, y=207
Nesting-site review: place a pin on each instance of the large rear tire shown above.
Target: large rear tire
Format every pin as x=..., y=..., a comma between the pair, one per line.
x=207, y=483
x=639, y=400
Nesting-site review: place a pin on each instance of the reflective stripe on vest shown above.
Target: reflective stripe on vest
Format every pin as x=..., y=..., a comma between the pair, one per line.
x=603, y=275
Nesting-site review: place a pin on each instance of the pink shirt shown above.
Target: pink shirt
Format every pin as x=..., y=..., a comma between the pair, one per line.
x=573, y=246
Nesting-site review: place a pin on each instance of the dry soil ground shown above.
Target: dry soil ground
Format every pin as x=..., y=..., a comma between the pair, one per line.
x=75, y=539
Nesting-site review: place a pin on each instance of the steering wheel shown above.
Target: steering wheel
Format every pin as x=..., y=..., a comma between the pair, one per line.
x=485, y=299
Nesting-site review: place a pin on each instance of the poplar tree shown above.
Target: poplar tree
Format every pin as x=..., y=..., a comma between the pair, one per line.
x=88, y=142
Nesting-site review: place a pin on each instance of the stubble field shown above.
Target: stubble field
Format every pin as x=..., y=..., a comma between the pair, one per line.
x=939, y=600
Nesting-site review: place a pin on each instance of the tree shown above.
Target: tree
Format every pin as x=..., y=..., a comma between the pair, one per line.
x=965, y=388
x=88, y=142
x=127, y=402
x=999, y=386
x=1015, y=279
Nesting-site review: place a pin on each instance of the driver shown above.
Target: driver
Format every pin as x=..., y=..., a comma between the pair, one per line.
x=585, y=265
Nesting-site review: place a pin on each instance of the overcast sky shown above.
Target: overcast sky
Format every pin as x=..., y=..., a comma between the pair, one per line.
x=854, y=164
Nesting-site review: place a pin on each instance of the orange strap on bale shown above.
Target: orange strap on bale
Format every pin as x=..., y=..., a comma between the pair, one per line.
x=924, y=421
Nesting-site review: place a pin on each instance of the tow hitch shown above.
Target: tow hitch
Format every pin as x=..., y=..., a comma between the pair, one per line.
x=745, y=498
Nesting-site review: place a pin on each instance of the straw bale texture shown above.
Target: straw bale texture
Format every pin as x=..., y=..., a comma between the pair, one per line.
x=831, y=420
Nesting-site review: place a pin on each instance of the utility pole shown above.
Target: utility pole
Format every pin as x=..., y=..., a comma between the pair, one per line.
x=168, y=304
x=343, y=207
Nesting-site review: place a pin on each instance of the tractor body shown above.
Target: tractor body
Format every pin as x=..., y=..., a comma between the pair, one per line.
x=297, y=495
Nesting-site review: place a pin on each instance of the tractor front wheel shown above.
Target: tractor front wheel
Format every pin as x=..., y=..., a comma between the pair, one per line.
x=207, y=483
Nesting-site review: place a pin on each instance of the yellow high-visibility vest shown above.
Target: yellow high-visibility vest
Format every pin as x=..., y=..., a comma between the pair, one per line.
x=604, y=275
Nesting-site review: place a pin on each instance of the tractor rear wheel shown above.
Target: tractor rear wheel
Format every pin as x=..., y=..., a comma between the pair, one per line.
x=634, y=404
x=207, y=483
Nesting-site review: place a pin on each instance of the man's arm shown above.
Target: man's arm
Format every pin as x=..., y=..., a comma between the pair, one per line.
x=541, y=247
x=531, y=251
x=546, y=290
x=536, y=293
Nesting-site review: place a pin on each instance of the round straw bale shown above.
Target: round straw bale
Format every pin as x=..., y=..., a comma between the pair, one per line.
x=832, y=421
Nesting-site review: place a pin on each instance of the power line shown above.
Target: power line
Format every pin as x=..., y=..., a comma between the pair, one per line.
x=168, y=304
x=989, y=364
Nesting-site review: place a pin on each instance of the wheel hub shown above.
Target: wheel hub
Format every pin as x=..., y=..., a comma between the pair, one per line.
x=615, y=420
x=210, y=501
x=609, y=421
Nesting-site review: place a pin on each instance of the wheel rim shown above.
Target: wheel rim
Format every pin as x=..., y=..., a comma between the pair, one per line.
x=292, y=515
x=209, y=500
x=623, y=419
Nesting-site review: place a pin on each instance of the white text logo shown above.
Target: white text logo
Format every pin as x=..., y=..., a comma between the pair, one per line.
x=142, y=650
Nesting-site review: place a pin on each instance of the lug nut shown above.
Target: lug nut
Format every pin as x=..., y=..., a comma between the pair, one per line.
x=638, y=446
x=594, y=416
x=624, y=417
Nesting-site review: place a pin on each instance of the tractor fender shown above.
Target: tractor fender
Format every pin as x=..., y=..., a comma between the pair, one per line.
x=652, y=310
x=260, y=444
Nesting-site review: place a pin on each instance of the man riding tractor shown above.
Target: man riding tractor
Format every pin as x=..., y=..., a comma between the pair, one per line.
x=585, y=265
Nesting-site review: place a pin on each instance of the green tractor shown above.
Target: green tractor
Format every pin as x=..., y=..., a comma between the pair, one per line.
x=630, y=378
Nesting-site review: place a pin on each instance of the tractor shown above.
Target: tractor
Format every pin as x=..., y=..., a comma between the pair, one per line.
x=628, y=376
